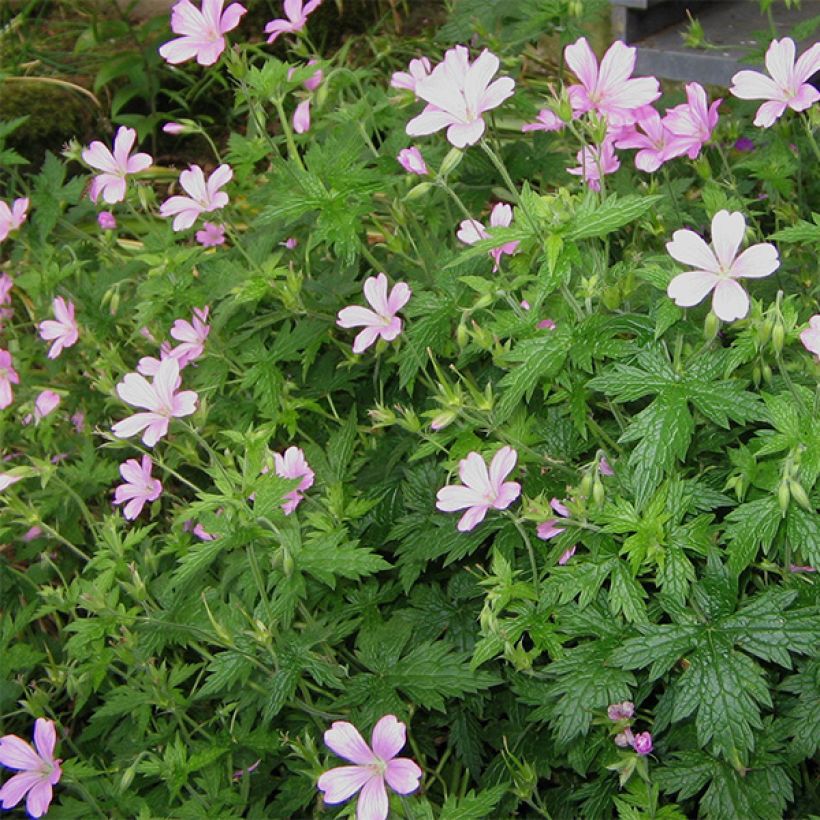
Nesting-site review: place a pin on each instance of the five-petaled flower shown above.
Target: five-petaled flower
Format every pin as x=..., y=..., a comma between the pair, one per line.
x=788, y=86
x=293, y=464
x=37, y=771
x=160, y=399
x=191, y=335
x=296, y=12
x=374, y=766
x=140, y=486
x=203, y=196
x=654, y=141
x=458, y=93
x=12, y=218
x=62, y=329
x=692, y=122
x=203, y=31
x=418, y=69
x=482, y=489
x=718, y=270
x=210, y=235
x=471, y=231
x=114, y=166
x=382, y=321
x=8, y=377
x=810, y=337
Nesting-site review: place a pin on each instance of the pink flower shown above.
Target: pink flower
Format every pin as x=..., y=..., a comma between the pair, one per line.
x=382, y=320
x=38, y=770
x=621, y=711
x=549, y=529
x=6, y=284
x=78, y=420
x=192, y=336
x=744, y=145
x=210, y=236
x=149, y=365
x=139, y=487
x=293, y=465
x=546, y=324
x=8, y=377
x=789, y=88
x=375, y=765
x=6, y=479
x=810, y=337
x=297, y=13
x=545, y=121
x=31, y=533
x=655, y=140
x=45, y=404
x=457, y=94
x=203, y=32
x=642, y=743
x=290, y=243
x=604, y=468
x=312, y=82
x=160, y=399
x=12, y=218
x=114, y=166
x=301, y=117
x=412, y=161
x=718, y=270
x=198, y=530
x=239, y=773
x=610, y=90
x=693, y=122
x=470, y=231
x=419, y=70
x=595, y=162
x=106, y=220
x=174, y=128
x=482, y=489
x=63, y=329
x=204, y=197
x=624, y=739
x=801, y=568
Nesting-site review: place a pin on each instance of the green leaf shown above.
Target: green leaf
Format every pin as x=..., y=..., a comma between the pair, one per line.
x=803, y=531
x=472, y=806
x=801, y=232
x=331, y=556
x=626, y=595
x=596, y=219
x=750, y=527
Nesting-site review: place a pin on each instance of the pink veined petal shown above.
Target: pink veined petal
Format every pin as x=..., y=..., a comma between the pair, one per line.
x=456, y=497
x=293, y=10
x=730, y=301
x=501, y=215
x=634, y=93
x=752, y=85
x=98, y=156
x=114, y=190
x=133, y=508
x=276, y=27
x=123, y=143
x=366, y=338
x=186, y=18
x=430, y=120
x=132, y=471
x=372, y=803
x=139, y=162
x=135, y=390
x=179, y=50
x=16, y=753
x=344, y=739
x=343, y=782
x=375, y=291
x=16, y=788
x=166, y=382
x=780, y=61
x=507, y=493
x=39, y=799
x=221, y=176
x=496, y=93
x=357, y=316
x=478, y=79
x=388, y=737
x=471, y=231
x=45, y=738
x=156, y=429
x=807, y=65
x=403, y=775
x=132, y=425
x=472, y=518
x=231, y=17
x=473, y=473
x=769, y=112
x=211, y=11
x=442, y=91
x=690, y=288
x=548, y=529
x=728, y=230
x=177, y=205
x=559, y=507
x=392, y=330
x=690, y=249
x=616, y=68
x=501, y=466
x=806, y=96
x=460, y=135
x=399, y=297
x=756, y=262
x=192, y=180
x=582, y=62
x=184, y=404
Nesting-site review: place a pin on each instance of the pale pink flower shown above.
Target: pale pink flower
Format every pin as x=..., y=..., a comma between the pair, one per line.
x=211, y=235
x=293, y=464
x=595, y=163
x=240, y=773
x=45, y=404
x=382, y=321
x=655, y=141
x=419, y=69
x=106, y=220
x=149, y=365
x=6, y=479
x=545, y=121
x=203, y=32
x=8, y=377
x=174, y=128
x=810, y=337
x=801, y=568
x=412, y=161
x=549, y=529
x=718, y=270
x=610, y=90
x=457, y=94
x=62, y=329
x=203, y=197
x=604, y=468
x=12, y=218
x=525, y=304
x=624, y=739
x=198, y=530
x=301, y=117
x=566, y=555
x=290, y=243
x=374, y=766
x=32, y=533
x=160, y=399
x=192, y=336
x=621, y=711
x=139, y=486
x=114, y=166
x=471, y=231
x=6, y=284
x=642, y=743
x=482, y=489
x=312, y=82
x=546, y=324
x=296, y=12
x=693, y=122
x=37, y=770
x=788, y=86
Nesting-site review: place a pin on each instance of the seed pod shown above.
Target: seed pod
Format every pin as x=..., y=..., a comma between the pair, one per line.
x=418, y=191
x=764, y=331
x=287, y=563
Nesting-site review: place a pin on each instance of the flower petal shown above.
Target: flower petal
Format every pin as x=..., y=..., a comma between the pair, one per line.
x=455, y=497
x=687, y=247
x=403, y=775
x=690, y=288
x=344, y=739
x=728, y=230
x=388, y=738
x=757, y=261
x=45, y=738
x=373, y=803
x=343, y=782
x=16, y=788
x=15, y=753
x=472, y=518
x=730, y=301
x=501, y=466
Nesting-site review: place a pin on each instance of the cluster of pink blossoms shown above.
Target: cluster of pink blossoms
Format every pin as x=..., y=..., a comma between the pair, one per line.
x=471, y=231
x=622, y=714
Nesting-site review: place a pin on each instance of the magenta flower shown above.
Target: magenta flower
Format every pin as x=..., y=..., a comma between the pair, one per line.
x=192, y=336
x=621, y=711
x=106, y=221
x=293, y=464
x=290, y=243
x=482, y=488
x=412, y=161
x=382, y=320
x=374, y=766
x=788, y=86
x=203, y=197
x=139, y=486
x=78, y=420
x=718, y=270
x=549, y=529
x=419, y=69
x=211, y=235
x=203, y=32
x=655, y=141
x=114, y=166
x=8, y=377
x=45, y=404
x=471, y=231
x=457, y=94
x=37, y=770
x=296, y=12
x=744, y=145
x=642, y=743
x=610, y=90
x=160, y=399
x=12, y=218
x=545, y=121
x=810, y=337
x=62, y=329
x=301, y=117
x=693, y=122
x=595, y=162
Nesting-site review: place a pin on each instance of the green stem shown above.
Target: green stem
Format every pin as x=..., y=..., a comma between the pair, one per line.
x=293, y=151
x=530, y=551
x=810, y=135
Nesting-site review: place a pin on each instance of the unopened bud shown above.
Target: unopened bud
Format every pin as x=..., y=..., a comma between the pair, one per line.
x=710, y=326
x=418, y=191
x=764, y=331
x=585, y=487
x=778, y=337
x=484, y=301
x=800, y=495
x=598, y=491
x=451, y=161
x=783, y=497
x=766, y=372
x=462, y=336
x=288, y=563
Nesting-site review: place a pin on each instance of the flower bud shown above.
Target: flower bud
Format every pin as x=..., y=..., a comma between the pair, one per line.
x=585, y=487
x=710, y=326
x=598, y=492
x=764, y=331
x=288, y=563
x=778, y=337
x=800, y=495
x=642, y=743
x=418, y=191
x=766, y=372
x=450, y=162
x=783, y=497
x=462, y=336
